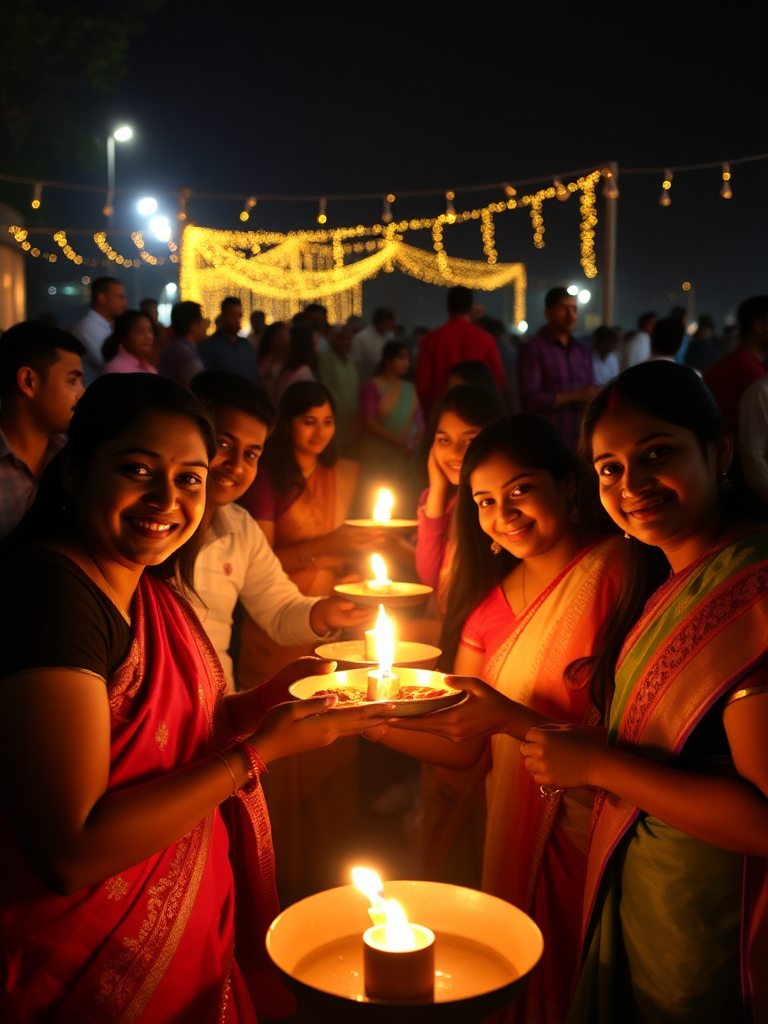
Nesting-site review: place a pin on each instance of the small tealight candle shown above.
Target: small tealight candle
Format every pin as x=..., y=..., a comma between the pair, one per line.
x=398, y=957
x=380, y=585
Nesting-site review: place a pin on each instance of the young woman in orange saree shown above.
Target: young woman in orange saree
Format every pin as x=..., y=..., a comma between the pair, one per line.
x=540, y=603
x=118, y=744
x=676, y=898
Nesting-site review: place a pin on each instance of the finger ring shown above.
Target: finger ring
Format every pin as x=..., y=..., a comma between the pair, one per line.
x=548, y=791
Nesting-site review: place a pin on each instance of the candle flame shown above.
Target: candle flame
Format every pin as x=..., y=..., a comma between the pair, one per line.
x=398, y=934
x=368, y=882
x=385, y=502
x=385, y=642
x=379, y=567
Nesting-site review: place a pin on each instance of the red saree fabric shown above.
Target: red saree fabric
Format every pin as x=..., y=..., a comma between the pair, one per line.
x=155, y=942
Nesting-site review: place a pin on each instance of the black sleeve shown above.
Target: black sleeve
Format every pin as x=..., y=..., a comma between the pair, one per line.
x=53, y=616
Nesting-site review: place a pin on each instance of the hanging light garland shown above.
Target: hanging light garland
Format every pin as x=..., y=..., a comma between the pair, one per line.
x=665, y=199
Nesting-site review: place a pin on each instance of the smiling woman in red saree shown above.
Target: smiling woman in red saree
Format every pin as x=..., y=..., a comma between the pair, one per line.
x=118, y=869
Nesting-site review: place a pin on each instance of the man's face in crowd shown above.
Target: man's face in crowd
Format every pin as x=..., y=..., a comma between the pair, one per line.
x=57, y=392
x=239, y=443
x=340, y=340
x=563, y=315
x=112, y=302
x=232, y=318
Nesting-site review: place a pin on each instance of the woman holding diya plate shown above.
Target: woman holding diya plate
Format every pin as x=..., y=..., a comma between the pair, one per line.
x=118, y=743
x=531, y=590
x=676, y=884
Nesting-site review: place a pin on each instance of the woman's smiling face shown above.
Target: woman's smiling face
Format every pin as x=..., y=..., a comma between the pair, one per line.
x=143, y=495
x=452, y=438
x=657, y=482
x=525, y=510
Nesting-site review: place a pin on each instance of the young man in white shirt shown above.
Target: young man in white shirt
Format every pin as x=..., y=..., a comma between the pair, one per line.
x=236, y=562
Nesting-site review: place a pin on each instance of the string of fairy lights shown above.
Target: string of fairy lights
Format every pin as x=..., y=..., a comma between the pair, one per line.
x=291, y=268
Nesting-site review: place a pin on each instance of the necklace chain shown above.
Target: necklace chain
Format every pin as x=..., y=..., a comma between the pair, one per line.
x=112, y=594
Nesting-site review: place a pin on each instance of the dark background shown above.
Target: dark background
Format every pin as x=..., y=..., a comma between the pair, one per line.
x=241, y=97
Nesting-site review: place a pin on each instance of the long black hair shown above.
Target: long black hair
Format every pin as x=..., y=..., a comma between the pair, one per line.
x=529, y=441
x=676, y=394
x=279, y=456
x=110, y=406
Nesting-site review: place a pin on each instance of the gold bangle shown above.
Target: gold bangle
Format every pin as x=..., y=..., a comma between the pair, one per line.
x=234, y=780
x=748, y=691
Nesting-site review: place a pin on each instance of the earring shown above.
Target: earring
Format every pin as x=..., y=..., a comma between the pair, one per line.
x=495, y=547
x=725, y=484
x=573, y=511
x=626, y=535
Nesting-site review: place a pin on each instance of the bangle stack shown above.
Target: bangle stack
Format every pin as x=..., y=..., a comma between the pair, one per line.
x=256, y=766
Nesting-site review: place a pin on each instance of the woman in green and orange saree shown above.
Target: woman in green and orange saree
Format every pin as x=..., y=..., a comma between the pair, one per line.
x=676, y=896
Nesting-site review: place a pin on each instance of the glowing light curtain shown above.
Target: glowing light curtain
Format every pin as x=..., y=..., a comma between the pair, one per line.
x=284, y=278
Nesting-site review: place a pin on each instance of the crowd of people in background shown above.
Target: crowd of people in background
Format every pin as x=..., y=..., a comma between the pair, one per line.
x=591, y=519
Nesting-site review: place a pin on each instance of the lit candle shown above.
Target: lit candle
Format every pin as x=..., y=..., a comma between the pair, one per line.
x=385, y=502
x=382, y=684
x=398, y=957
x=381, y=585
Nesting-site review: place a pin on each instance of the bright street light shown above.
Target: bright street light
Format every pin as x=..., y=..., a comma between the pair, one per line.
x=122, y=134
x=171, y=288
x=573, y=289
x=160, y=228
x=146, y=206
x=522, y=326
x=584, y=296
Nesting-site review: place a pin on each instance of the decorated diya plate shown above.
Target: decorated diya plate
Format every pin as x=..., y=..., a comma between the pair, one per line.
x=398, y=595
x=388, y=526
x=420, y=692
x=352, y=652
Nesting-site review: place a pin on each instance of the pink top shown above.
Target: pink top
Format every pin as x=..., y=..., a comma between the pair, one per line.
x=281, y=383
x=432, y=540
x=124, y=362
x=489, y=625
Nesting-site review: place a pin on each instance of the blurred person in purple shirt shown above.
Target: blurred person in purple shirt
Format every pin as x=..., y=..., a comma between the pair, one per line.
x=554, y=370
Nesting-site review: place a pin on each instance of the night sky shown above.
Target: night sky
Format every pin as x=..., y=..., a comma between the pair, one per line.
x=241, y=97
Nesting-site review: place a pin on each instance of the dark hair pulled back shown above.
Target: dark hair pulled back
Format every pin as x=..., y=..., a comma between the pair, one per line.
x=677, y=395
x=109, y=407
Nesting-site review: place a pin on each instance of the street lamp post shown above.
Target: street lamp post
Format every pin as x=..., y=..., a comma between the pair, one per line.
x=121, y=134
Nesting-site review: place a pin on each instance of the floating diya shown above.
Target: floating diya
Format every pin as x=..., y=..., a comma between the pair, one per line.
x=383, y=591
x=382, y=515
x=484, y=952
